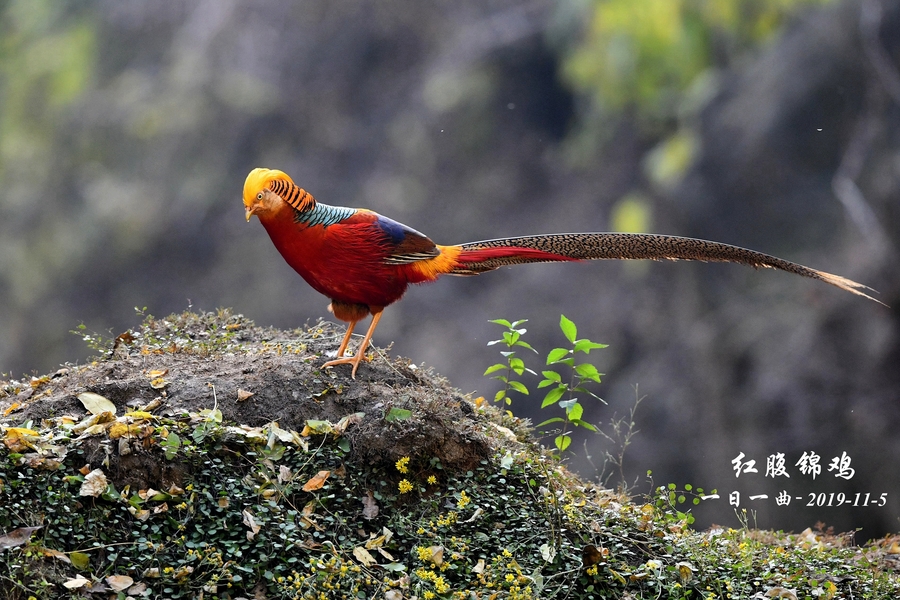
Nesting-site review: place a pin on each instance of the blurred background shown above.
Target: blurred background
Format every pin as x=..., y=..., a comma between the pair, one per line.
x=127, y=129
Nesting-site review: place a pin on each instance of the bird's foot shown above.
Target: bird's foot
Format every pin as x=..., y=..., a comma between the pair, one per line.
x=347, y=360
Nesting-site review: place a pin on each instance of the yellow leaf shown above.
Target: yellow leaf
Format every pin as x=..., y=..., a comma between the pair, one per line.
x=80, y=560
x=118, y=430
x=11, y=408
x=316, y=482
x=139, y=414
x=18, y=439
x=158, y=383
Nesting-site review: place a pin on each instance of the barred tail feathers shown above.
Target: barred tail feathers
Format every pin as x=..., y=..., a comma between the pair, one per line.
x=479, y=257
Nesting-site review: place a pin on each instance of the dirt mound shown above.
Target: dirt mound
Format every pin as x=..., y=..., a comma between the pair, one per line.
x=183, y=364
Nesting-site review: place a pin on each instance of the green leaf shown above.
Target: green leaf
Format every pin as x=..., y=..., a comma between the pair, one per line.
x=499, y=395
x=519, y=387
x=553, y=396
x=172, y=444
x=562, y=442
x=552, y=420
x=525, y=345
x=397, y=414
x=494, y=369
x=556, y=355
x=551, y=376
x=503, y=322
x=568, y=328
x=587, y=345
x=585, y=424
x=344, y=444
x=545, y=382
x=588, y=371
x=517, y=365
x=575, y=412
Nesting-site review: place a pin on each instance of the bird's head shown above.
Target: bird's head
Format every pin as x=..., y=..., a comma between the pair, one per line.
x=267, y=190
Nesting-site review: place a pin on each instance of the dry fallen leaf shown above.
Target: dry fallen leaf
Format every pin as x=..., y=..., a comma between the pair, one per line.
x=94, y=484
x=370, y=507
x=56, y=554
x=117, y=430
x=437, y=555
x=363, y=556
x=250, y=522
x=347, y=421
x=284, y=474
x=19, y=439
x=243, y=395
x=119, y=582
x=590, y=555
x=96, y=404
x=16, y=537
x=75, y=583
x=316, y=482
x=158, y=383
x=479, y=568
x=137, y=590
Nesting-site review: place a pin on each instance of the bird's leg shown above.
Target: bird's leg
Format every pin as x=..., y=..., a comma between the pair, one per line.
x=350, y=327
x=355, y=359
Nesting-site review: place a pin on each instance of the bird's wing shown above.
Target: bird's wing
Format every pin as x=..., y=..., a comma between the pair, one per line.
x=406, y=244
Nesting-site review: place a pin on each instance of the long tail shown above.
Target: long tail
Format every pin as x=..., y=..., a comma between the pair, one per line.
x=478, y=257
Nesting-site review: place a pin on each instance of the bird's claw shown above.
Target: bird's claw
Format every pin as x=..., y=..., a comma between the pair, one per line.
x=346, y=360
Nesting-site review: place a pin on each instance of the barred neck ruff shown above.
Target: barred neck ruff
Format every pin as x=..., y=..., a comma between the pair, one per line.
x=293, y=194
x=324, y=215
x=306, y=209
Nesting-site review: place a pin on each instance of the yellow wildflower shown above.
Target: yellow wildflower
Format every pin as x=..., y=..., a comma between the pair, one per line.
x=403, y=464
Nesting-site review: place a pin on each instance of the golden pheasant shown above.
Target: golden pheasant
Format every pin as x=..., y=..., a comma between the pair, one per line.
x=364, y=262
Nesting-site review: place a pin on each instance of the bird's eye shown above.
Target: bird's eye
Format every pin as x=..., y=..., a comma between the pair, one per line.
x=259, y=196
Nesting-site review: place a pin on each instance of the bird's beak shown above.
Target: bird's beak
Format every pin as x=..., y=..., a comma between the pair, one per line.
x=248, y=212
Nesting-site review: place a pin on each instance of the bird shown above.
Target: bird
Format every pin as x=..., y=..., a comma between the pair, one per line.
x=363, y=261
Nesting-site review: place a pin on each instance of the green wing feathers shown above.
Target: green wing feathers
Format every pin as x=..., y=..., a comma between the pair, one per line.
x=478, y=257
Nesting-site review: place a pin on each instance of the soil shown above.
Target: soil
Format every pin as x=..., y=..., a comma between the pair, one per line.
x=185, y=363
